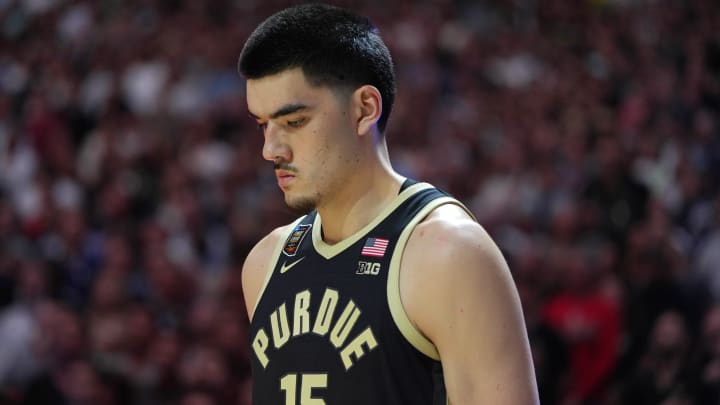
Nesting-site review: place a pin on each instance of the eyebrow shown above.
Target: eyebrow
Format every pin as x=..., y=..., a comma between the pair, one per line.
x=284, y=110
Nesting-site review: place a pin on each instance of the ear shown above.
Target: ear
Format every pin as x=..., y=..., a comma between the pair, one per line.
x=367, y=105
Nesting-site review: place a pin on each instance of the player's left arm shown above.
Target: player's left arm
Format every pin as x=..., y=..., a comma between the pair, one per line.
x=457, y=289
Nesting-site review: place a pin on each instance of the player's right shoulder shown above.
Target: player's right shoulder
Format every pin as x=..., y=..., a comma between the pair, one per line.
x=258, y=264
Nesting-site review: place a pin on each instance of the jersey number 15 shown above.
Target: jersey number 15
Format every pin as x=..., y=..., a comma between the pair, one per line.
x=289, y=384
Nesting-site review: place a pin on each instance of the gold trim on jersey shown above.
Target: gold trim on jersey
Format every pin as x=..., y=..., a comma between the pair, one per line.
x=403, y=322
x=329, y=251
x=274, y=258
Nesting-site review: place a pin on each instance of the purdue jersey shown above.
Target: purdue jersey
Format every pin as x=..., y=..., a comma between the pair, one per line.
x=329, y=328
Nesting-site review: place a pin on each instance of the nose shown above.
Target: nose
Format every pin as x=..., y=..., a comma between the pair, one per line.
x=275, y=148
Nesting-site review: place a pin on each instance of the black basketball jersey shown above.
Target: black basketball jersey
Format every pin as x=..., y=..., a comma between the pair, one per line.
x=329, y=328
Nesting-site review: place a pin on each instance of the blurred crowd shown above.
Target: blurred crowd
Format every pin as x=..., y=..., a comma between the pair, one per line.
x=584, y=135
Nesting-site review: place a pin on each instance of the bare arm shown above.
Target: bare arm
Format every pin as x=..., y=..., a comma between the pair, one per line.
x=458, y=290
x=255, y=269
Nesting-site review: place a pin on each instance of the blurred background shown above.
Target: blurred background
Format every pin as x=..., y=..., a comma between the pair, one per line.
x=583, y=134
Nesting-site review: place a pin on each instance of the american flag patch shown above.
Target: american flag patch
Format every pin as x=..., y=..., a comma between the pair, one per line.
x=375, y=247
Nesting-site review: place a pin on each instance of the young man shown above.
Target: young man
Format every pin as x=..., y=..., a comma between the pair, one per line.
x=388, y=291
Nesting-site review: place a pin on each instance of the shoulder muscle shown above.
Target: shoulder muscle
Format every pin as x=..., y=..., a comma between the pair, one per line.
x=256, y=267
x=457, y=289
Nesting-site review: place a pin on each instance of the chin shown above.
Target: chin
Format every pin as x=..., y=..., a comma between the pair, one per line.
x=300, y=205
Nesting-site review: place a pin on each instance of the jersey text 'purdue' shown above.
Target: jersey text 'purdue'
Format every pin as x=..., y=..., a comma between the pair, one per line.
x=303, y=323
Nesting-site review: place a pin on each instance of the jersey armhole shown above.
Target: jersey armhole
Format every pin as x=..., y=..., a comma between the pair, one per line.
x=272, y=262
x=397, y=310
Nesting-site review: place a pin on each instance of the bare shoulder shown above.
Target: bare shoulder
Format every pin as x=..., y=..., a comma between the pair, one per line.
x=449, y=235
x=256, y=266
x=446, y=252
x=457, y=290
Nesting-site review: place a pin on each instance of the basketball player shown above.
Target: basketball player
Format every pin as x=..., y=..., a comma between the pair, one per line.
x=387, y=291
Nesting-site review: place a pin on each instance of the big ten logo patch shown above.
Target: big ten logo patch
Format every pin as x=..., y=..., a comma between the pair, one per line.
x=368, y=268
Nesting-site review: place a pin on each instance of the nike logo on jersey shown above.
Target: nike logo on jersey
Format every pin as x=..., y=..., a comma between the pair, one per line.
x=285, y=266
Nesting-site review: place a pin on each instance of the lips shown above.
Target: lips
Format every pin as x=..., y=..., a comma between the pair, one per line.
x=284, y=178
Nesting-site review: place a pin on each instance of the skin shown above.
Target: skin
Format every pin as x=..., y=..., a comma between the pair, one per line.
x=461, y=297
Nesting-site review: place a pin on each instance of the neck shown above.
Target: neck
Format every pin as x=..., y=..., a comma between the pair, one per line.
x=362, y=198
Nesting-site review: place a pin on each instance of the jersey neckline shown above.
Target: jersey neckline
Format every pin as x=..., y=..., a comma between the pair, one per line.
x=329, y=251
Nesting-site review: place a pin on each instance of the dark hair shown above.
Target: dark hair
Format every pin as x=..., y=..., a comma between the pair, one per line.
x=332, y=46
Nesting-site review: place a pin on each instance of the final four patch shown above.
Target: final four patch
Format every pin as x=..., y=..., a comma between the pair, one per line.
x=295, y=239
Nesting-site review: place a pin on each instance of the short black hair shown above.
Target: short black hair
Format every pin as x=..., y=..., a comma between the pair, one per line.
x=333, y=47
